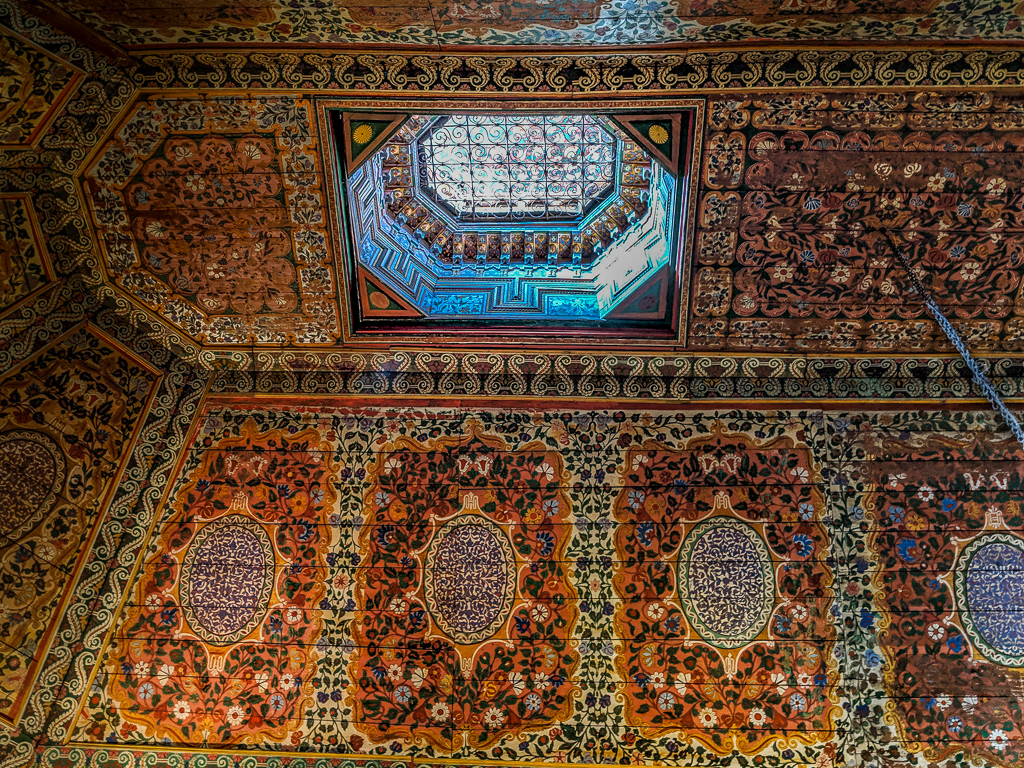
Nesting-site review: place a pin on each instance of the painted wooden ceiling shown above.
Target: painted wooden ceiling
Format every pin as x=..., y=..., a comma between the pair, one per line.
x=583, y=23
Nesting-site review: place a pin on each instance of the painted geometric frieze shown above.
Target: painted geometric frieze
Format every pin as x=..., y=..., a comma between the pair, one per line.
x=801, y=193
x=67, y=419
x=218, y=642
x=33, y=88
x=24, y=263
x=536, y=22
x=209, y=212
x=726, y=608
x=942, y=501
x=478, y=586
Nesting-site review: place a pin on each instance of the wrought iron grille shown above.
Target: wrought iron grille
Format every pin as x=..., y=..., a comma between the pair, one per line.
x=490, y=168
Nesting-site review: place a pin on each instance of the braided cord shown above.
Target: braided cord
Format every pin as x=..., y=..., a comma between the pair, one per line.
x=978, y=368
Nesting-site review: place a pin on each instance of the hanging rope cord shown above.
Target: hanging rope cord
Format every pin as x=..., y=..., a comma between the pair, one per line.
x=978, y=368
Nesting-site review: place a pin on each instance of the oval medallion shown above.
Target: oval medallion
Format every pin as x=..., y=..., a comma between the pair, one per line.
x=227, y=579
x=470, y=578
x=726, y=582
x=32, y=474
x=990, y=591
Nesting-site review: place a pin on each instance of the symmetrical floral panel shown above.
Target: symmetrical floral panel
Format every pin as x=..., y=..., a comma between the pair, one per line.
x=540, y=22
x=209, y=211
x=67, y=420
x=520, y=584
x=806, y=196
x=24, y=262
x=936, y=499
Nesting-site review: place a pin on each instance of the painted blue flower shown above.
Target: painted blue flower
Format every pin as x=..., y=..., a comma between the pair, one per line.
x=641, y=679
x=522, y=625
x=168, y=616
x=872, y=658
x=146, y=691
x=948, y=505
x=678, y=485
x=666, y=701
x=896, y=514
x=275, y=624
x=636, y=498
x=797, y=702
x=532, y=702
x=964, y=209
x=643, y=533
x=955, y=643
x=782, y=624
x=955, y=724
x=806, y=511
x=284, y=490
x=807, y=255
x=904, y=546
x=804, y=544
x=402, y=694
x=672, y=624
x=867, y=619
x=386, y=535
x=382, y=498
x=812, y=204
x=957, y=251
x=929, y=703
x=551, y=507
x=605, y=701
x=379, y=673
x=546, y=539
x=276, y=702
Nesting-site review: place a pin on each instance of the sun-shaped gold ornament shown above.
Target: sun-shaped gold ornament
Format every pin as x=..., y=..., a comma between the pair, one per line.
x=362, y=134
x=657, y=134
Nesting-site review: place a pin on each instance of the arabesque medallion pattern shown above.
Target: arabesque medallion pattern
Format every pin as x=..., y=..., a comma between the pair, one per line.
x=727, y=611
x=233, y=661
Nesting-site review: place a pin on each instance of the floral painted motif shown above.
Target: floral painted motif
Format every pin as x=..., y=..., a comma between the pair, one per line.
x=792, y=246
x=944, y=514
x=67, y=420
x=33, y=87
x=211, y=213
x=24, y=264
x=449, y=652
x=230, y=660
x=722, y=645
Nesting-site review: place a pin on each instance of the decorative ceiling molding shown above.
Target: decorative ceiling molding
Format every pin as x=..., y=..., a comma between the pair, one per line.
x=824, y=66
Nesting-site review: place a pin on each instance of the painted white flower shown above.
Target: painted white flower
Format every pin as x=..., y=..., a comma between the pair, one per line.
x=540, y=612
x=141, y=669
x=517, y=682
x=969, y=703
x=395, y=673
x=293, y=615
x=195, y=182
x=181, y=711
x=439, y=712
x=803, y=679
x=163, y=674
x=419, y=677
x=657, y=680
x=707, y=718
x=156, y=229
x=541, y=681
x=398, y=605
x=681, y=682
x=757, y=717
x=253, y=152
x=799, y=612
x=547, y=471
x=493, y=718
x=779, y=680
x=639, y=459
x=799, y=474
x=998, y=740
x=392, y=465
x=287, y=682
x=182, y=153
x=655, y=611
x=943, y=702
x=970, y=270
x=936, y=631
x=926, y=493
x=154, y=601
x=262, y=680
x=235, y=715
x=841, y=274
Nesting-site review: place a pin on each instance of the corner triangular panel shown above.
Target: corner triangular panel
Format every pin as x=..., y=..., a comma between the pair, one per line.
x=647, y=301
x=363, y=134
x=661, y=135
x=377, y=301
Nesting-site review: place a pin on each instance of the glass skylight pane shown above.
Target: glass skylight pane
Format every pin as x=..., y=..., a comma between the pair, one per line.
x=511, y=167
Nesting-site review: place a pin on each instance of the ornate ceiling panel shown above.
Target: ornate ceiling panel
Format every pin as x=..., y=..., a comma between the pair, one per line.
x=210, y=212
x=539, y=22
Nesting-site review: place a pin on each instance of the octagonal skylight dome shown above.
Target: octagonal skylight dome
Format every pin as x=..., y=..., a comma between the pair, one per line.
x=553, y=168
